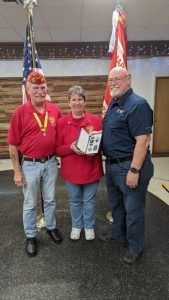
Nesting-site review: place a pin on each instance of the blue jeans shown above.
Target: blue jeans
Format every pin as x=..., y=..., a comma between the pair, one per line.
x=39, y=176
x=128, y=205
x=82, y=202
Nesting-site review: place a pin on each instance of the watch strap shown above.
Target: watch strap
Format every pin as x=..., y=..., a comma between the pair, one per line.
x=134, y=170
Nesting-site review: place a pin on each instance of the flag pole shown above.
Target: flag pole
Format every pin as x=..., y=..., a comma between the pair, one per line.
x=30, y=14
x=123, y=60
x=30, y=4
x=118, y=5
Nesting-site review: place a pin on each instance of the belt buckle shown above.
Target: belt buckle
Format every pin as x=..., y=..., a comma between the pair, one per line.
x=42, y=160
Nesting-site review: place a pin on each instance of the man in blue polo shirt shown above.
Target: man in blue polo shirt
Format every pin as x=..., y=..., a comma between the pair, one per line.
x=126, y=137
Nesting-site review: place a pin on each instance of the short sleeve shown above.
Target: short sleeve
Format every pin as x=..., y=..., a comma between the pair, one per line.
x=140, y=119
x=14, y=134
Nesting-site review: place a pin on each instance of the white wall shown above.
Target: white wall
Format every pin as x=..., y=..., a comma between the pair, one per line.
x=143, y=71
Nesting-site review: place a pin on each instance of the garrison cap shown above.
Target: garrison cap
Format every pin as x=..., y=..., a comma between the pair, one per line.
x=36, y=78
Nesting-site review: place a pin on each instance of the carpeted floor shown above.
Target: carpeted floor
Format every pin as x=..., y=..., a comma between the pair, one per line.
x=79, y=270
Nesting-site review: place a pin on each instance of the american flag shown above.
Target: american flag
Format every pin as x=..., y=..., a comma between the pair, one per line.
x=30, y=58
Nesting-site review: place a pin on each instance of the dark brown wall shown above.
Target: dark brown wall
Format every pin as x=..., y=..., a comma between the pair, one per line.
x=85, y=50
x=11, y=97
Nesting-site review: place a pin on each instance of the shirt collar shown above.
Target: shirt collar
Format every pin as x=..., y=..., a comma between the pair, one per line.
x=122, y=99
x=84, y=121
x=31, y=109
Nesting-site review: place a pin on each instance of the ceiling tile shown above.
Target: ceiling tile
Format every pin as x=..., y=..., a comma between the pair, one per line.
x=60, y=2
x=84, y=20
x=134, y=31
x=9, y=35
x=142, y=14
x=61, y=16
x=15, y=16
x=163, y=19
x=95, y=13
x=153, y=33
x=65, y=34
x=95, y=34
x=3, y=22
x=43, y=35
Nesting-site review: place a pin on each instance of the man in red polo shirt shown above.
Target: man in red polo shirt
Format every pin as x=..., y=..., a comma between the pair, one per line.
x=32, y=133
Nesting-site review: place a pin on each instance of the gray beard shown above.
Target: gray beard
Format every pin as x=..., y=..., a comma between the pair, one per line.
x=115, y=92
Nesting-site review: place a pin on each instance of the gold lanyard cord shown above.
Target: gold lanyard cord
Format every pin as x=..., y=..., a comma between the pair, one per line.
x=42, y=127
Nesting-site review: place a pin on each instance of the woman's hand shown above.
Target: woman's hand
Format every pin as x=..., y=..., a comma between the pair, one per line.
x=75, y=149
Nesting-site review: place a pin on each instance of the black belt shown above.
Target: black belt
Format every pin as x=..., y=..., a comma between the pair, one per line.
x=118, y=160
x=40, y=159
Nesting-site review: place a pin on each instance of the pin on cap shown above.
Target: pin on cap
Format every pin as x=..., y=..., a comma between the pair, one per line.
x=36, y=78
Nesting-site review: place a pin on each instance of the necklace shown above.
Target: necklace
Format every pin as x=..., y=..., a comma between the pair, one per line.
x=44, y=126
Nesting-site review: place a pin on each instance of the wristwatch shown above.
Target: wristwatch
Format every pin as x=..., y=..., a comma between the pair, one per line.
x=134, y=170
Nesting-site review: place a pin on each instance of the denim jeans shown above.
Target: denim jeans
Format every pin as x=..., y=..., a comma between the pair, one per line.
x=128, y=205
x=39, y=176
x=82, y=202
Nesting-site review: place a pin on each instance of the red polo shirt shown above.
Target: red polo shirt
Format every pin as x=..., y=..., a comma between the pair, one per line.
x=25, y=132
x=79, y=169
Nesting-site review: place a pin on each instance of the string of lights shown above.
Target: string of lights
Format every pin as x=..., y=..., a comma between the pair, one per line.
x=137, y=49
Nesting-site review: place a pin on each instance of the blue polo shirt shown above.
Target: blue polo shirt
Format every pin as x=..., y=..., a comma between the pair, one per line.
x=127, y=117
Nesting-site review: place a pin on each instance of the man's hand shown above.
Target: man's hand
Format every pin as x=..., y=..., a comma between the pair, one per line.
x=140, y=151
x=19, y=179
x=103, y=113
x=91, y=133
x=132, y=179
x=95, y=132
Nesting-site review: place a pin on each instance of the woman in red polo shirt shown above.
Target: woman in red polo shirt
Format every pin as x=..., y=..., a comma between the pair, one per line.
x=81, y=172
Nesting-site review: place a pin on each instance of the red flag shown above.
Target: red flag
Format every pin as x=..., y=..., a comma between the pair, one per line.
x=117, y=47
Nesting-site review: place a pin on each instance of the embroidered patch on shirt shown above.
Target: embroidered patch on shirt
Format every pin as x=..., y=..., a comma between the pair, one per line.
x=120, y=111
x=89, y=128
x=52, y=121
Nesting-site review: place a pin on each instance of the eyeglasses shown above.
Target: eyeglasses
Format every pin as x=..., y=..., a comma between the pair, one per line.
x=117, y=79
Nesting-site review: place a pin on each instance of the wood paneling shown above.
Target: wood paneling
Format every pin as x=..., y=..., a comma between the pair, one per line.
x=11, y=97
x=161, y=124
